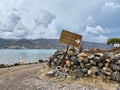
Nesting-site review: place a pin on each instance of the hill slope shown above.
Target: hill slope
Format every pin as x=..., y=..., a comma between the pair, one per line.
x=42, y=43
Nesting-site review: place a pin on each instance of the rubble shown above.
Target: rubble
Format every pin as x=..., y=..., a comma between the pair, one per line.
x=84, y=64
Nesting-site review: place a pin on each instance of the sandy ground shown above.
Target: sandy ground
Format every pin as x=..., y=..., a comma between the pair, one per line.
x=32, y=77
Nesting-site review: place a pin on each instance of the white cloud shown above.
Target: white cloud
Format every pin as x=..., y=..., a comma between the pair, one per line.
x=45, y=18
x=96, y=30
x=99, y=38
x=111, y=7
x=90, y=20
x=95, y=34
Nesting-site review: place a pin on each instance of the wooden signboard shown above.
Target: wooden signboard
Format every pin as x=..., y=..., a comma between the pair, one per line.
x=70, y=38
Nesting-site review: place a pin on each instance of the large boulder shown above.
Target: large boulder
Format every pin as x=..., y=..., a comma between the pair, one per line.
x=83, y=55
x=21, y=62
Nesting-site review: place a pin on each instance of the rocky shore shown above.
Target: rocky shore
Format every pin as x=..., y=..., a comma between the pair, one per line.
x=20, y=63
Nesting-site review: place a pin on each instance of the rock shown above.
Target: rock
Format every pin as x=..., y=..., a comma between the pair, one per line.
x=61, y=57
x=92, y=62
x=70, y=53
x=83, y=55
x=58, y=62
x=73, y=58
x=90, y=56
x=107, y=60
x=88, y=65
x=72, y=49
x=21, y=62
x=107, y=65
x=85, y=60
x=16, y=64
x=84, y=70
x=75, y=61
x=82, y=65
x=51, y=73
x=118, y=88
x=80, y=59
x=114, y=58
x=74, y=77
x=118, y=62
x=4, y=65
x=73, y=67
x=89, y=72
x=49, y=63
x=99, y=54
x=105, y=56
x=0, y=65
x=114, y=67
x=40, y=60
x=94, y=69
x=68, y=63
x=116, y=76
x=63, y=74
x=107, y=71
x=97, y=59
x=100, y=65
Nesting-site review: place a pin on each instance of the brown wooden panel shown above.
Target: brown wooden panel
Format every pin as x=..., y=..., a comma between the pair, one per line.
x=70, y=38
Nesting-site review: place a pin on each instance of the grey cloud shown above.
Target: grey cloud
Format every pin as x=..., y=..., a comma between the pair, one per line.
x=12, y=21
x=20, y=31
x=15, y=9
x=109, y=15
x=25, y=9
x=13, y=27
x=44, y=19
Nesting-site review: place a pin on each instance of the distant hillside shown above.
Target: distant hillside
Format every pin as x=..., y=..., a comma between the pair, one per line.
x=42, y=43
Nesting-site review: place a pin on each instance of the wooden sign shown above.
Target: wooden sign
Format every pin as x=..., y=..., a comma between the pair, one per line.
x=70, y=38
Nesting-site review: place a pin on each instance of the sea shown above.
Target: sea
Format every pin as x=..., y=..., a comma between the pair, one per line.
x=11, y=56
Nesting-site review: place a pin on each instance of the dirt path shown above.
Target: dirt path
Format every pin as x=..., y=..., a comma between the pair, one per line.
x=14, y=78
x=25, y=78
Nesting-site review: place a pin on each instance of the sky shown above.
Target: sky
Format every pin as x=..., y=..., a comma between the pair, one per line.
x=96, y=20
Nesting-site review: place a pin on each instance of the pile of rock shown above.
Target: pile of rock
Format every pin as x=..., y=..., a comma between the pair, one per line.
x=84, y=64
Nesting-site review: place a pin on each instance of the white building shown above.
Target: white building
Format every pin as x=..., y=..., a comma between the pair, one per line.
x=116, y=45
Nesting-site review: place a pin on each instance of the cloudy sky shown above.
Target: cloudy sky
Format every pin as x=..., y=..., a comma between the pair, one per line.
x=96, y=20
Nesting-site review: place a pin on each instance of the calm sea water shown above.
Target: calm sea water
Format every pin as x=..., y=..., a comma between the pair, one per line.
x=11, y=56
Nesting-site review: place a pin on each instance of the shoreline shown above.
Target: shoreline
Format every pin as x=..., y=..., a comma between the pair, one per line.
x=21, y=63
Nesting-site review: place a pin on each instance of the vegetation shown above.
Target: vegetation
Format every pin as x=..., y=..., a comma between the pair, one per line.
x=113, y=41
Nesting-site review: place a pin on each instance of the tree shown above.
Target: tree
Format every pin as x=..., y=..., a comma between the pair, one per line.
x=113, y=41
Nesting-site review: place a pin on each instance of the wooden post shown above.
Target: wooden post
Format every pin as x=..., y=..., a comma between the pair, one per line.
x=64, y=57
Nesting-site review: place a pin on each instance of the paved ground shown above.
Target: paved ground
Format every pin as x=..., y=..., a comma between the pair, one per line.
x=30, y=77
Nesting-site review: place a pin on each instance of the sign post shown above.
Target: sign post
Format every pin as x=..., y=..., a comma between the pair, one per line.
x=70, y=39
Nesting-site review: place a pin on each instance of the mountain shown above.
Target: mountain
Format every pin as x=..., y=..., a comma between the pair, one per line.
x=43, y=43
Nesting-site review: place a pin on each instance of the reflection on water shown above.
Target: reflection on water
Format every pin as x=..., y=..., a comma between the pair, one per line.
x=10, y=56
